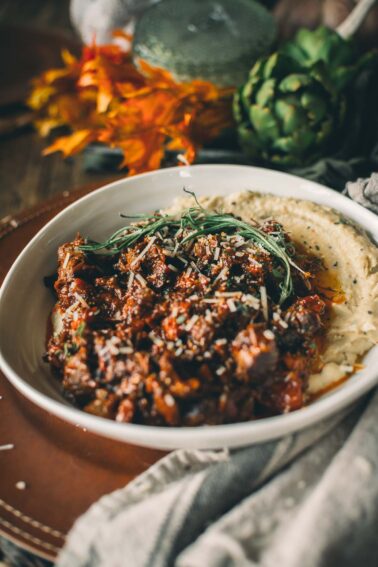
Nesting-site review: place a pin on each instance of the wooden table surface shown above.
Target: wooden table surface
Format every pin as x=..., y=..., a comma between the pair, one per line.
x=27, y=178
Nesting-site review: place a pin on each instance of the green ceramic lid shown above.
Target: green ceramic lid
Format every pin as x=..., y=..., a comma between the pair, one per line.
x=216, y=40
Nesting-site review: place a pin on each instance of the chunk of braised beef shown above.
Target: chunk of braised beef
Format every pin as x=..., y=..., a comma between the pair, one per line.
x=303, y=320
x=103, y=405
x=173, y=380
x=305, y=315
x=282, y=393
x=108, y=297
x=73, y=262
x=113, y=365
x=203, y=252
x=223, y=407
x=255, y=353
x=151, y=261
x=138, y=306
x=126, y=410
x=77, y=374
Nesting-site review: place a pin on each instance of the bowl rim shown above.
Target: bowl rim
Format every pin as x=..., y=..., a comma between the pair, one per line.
x=203, y=437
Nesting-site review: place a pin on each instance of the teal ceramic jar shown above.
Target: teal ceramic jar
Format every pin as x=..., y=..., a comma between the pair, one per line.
x=215, y=40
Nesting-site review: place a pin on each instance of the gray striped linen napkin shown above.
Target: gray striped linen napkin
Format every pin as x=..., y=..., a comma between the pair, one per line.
x=307, y=500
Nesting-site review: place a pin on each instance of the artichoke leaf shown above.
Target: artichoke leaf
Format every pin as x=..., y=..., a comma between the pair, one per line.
x=295, y=145
x=284, y=144
x=342, y=76
x=264, y=122
x=315, y=106
x=291, y=116
x=295, y=52
x=258, y=68
x=285, y=160
x=271, y=64
x=294, y=82
x=323, y=44
x=248, y=91
x=303, y=138
x=328, y=127
x=279, y=65
x=266, y=93
x=321, y=76
x=237, y=108
x=317, y=44
x=249, y=141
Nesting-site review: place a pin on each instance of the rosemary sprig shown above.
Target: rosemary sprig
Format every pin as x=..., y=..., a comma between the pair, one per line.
x=201, y=222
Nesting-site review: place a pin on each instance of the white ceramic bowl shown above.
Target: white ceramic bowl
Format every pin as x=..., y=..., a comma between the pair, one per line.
x=25, y=303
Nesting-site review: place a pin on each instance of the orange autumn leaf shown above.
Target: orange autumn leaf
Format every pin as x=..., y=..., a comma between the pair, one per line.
x=68, y=59
x=104, y=97
x=71, y=144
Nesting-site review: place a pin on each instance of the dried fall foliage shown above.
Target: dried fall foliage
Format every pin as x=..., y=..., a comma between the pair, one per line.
x=103, y=97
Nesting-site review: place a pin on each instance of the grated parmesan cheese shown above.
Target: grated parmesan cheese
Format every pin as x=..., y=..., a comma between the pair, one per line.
x=268, y=334
x=131, y=279
x=228, y=293
x=126, y=350
x=231, y=305
x=169, y=400
x=144, y=251
x=221, y=274
x=81, y=300
x=191, y=322
x=6, y=447
x=264, y=302
x=66, y=260
x=141, y=280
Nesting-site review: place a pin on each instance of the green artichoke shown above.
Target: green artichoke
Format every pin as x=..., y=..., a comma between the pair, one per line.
x=292, y=109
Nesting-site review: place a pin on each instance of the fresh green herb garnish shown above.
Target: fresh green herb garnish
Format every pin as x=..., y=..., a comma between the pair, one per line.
x=200, y=222
x=80, y=329
x=69, y=349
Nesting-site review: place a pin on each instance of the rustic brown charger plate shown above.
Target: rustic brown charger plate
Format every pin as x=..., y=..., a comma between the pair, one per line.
x=65, y=468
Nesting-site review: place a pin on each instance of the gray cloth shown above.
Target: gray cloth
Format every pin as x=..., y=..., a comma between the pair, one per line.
x=307, y=500
x=365, y=192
